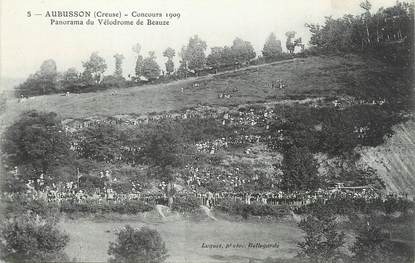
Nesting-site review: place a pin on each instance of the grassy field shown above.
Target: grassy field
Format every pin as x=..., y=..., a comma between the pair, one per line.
x=89, y=240
x=309, y=77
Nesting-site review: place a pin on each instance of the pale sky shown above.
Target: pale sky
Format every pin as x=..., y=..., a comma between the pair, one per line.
x=27, y=41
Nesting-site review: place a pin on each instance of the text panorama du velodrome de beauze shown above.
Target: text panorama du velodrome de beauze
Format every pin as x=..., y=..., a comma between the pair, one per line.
x=108, y=18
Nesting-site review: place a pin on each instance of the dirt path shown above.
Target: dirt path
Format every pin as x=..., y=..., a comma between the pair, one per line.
x=208, y=213
x=159, y=209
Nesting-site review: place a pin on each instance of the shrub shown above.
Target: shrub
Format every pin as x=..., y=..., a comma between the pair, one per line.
x=188, y=204
x=21, y=205
x=36, y=145
x=373, y=245
x=131, y=207
x=348, y=206
x=31, y=239
x=126, y=207
x=321, y=243
x=114, y=81
x=81, y=86
x=36, y=85
x=137, y=245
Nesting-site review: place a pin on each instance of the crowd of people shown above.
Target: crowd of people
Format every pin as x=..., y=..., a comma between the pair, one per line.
x=342, y=102
x=71, y=193
x=238, y=116
x=208, y=184
x=232, y=179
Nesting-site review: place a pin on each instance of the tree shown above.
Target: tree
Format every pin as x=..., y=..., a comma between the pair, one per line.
x=321, y=242
x=289, y=43
x=366, y=5
x=369, y=31
x=316, y=34
x=272, y=48
x=169, y=53
x=139, y=61
x=151, y=69
x=163, y=150
x=227, y=56
x=118, y=65
x=94, y=67
x=29, y=238
x=373, y=245
x=71, y=75
x=137, y=246
x=242, y=51
x=169, y=67
x=300, y=170
x=44, y=81
x=38, y=147
x=101, y=143
x=48, y=69
x=214, y=59
x=194, y=53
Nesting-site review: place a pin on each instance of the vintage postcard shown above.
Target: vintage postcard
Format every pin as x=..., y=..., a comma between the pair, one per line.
x=212, y=131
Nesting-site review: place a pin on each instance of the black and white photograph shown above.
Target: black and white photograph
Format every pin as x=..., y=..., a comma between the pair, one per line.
x=195, y=131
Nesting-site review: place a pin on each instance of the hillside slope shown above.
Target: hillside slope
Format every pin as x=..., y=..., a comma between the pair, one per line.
x=308, y=77
x=395, y=160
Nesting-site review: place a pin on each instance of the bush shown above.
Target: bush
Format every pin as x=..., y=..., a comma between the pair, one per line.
x=113, y=81
x=338, y=133
x=31, y=239
x=84, y=87
x=92, y=207
x=21, y=205
x=373, y=245
x=137, y=245
x=322, y=242
x=348, y=206
x=131, y=207
x=188, y=204
x=36, y=85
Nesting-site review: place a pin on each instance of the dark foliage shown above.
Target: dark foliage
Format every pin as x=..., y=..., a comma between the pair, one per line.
x=321, y=242
x=36, y=144
x=246, y=210
x=387, y=33
x=188, y=204
x=21, y=205
x=101, y=143
x=127, y=207
x=137, y=246
x=332, y=131
x=30, y=239
x=348, y=206
x=300, y=170
x=374, y=245
x=37, y=85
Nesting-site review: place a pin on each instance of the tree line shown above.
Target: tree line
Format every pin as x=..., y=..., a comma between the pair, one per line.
x=193, y=60
x=389, y=32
